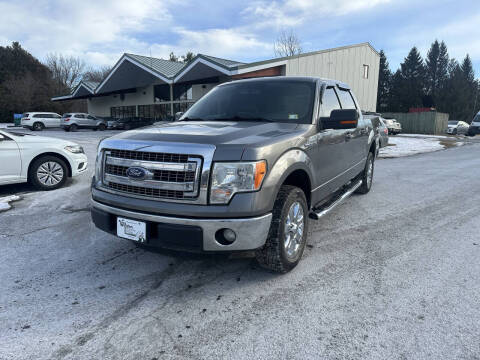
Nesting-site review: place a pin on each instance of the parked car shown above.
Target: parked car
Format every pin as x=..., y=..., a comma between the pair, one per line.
x=75, y=121
x=379, y=127
x=131, y=123
x=394, y=127
x=242, y=169
x=37, y=121
x=457, y=127
x=474, y=128
x=44, y=162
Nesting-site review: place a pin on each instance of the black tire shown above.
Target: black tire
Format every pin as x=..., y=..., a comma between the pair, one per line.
x=127, y=127
x=367, y=183
x=67, y=129
x=38, y=126
x=73, y=127
x=455, y=132
x=273, y=255
x=101, y=127
x=35, y=180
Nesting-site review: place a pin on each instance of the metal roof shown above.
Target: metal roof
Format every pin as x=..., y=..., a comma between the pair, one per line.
x=166, y=68
x=91, y=85
x=222, y=62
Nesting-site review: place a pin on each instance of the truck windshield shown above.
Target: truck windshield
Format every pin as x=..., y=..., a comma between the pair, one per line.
x=288, y=101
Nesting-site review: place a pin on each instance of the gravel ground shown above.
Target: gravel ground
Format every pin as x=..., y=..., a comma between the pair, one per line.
x=392, y=274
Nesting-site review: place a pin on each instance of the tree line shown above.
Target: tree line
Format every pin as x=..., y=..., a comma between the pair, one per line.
x=437, y=81
x=26, y=84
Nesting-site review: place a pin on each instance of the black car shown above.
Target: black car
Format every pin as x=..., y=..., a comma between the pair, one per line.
x=131, y=123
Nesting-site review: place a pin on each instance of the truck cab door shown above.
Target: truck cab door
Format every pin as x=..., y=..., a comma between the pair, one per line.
x=356, y=140
x=10, y=159
x=329, y=154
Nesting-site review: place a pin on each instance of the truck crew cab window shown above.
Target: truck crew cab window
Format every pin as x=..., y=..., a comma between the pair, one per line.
x=329, y=102
x=346, y=99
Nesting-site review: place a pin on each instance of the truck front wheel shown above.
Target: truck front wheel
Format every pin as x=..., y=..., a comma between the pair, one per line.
x=287, y=236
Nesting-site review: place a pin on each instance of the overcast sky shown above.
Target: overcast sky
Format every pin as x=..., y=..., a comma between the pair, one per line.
x=99, y=31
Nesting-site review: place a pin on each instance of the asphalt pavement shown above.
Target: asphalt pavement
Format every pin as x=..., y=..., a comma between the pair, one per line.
x=394, y=274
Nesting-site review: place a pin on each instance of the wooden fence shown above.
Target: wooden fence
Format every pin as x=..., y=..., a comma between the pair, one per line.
x=431, y=123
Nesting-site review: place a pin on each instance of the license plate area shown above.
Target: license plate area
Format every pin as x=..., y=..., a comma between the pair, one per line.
x=132, y=229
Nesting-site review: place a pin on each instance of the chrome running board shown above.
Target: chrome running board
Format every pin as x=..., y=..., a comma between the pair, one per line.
x=324, y=210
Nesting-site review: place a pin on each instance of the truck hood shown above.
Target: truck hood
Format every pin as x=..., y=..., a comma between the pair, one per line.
x=241, y=133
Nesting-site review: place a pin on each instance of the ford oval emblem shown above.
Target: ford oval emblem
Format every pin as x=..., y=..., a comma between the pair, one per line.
x=136, y=173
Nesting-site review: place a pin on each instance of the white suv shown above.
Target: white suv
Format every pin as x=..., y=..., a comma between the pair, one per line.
x=38, y=121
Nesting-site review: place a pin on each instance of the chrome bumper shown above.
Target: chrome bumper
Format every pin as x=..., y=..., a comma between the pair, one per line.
x=251, y=232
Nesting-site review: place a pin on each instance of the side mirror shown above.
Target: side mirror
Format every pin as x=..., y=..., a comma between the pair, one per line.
x=341, y=119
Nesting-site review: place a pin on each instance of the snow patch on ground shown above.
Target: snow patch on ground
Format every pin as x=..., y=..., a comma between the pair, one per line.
x=406, y=146
x=5, y=202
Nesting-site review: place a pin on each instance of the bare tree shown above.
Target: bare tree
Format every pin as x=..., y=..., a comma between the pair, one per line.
x=66, y=70
x=287, y=44
x=96, y=75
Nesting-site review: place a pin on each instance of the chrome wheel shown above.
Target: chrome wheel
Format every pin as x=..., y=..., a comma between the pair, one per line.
x=50, y=173
x=370, y=173
x=294, y=226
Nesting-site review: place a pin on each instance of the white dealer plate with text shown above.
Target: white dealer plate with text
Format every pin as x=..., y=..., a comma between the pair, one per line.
x=131, y=229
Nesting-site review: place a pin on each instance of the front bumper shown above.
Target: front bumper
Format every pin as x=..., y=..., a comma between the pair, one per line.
x=79, y=163
x=189, y=234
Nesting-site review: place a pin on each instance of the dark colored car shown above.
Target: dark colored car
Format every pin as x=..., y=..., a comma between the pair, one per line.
x=131, y=123
x=243, y=169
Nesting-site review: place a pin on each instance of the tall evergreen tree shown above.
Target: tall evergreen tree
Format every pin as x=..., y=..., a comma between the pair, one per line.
x=442, y=78
x=409, y=82
x=470, y=86
x=432, y=69
x=384, y=83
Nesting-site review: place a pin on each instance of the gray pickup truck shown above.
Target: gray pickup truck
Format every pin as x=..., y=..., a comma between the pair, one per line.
x=243, y=169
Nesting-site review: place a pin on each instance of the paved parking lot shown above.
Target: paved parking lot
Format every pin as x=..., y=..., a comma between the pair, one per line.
x=392, y=274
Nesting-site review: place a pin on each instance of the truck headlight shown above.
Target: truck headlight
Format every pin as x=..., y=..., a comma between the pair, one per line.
x=75, y=149
x=231, y=178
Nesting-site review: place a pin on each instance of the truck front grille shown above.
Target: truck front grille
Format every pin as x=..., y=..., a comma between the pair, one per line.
x=166, y=175
x=153, y=193
x=148, y=156
x=159, y=175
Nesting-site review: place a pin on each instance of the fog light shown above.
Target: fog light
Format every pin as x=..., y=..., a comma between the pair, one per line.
x=229, y=235
x=225, y=236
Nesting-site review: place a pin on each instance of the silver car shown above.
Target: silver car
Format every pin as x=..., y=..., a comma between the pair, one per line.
x=380, y=127
x=75, y=121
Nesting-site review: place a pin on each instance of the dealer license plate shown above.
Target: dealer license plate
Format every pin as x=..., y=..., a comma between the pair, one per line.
x=132, y=229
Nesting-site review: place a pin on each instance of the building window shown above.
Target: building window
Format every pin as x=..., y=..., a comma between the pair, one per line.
x=365, y=71
x=182, y=92
x=146, y=111
x=120, y=112
x=161, y=93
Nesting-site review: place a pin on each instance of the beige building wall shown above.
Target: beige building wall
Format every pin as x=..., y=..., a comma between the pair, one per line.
x=100, y=106
x=346, y=65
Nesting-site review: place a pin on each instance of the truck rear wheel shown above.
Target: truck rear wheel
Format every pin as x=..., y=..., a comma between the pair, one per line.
x=367, y=175
x=287, y=236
